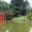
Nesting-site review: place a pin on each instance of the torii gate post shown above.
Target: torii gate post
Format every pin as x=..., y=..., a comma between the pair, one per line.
x=2, y=19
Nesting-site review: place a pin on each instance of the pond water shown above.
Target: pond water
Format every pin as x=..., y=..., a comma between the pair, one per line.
x=7, y=31
x=30, y=30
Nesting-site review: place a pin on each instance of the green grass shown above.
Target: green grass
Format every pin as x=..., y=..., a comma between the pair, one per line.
x=19, y=18
x=17, y=27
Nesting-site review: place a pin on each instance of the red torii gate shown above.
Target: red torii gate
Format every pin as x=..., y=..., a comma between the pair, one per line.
x=2, y=19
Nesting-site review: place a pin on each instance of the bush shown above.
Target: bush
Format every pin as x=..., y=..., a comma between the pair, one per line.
x=29, y=16
x=9, y=14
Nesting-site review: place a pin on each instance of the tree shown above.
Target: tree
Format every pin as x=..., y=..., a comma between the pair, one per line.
x=4, y=5
x=19, y=6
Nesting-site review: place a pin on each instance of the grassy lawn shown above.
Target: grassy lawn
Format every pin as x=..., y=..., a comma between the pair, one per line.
x=17, y=27
x=20, y=18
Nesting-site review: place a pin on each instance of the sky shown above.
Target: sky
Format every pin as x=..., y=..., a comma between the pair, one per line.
x=8, y=1
x=30, y=1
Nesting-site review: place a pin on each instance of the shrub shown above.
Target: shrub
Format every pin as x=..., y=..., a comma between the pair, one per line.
x=9, y=14
x=29, y=16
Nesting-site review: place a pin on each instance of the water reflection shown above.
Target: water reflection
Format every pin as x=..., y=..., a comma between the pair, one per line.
x=30, y=30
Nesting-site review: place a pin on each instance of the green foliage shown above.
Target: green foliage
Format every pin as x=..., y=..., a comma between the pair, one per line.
x=4, y=5
x=19, y=6
x=9, y=14
x=29, y=15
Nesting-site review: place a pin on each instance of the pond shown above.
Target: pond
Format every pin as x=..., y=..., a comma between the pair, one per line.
x=30, y=30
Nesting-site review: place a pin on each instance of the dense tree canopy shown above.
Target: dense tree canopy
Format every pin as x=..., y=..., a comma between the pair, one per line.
x=4, y=5
x=19, y=6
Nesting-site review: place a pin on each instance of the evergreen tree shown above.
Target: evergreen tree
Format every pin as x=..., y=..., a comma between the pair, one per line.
x=19, y=6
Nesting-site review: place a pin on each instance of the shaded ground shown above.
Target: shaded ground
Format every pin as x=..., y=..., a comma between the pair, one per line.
x=17, y=27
